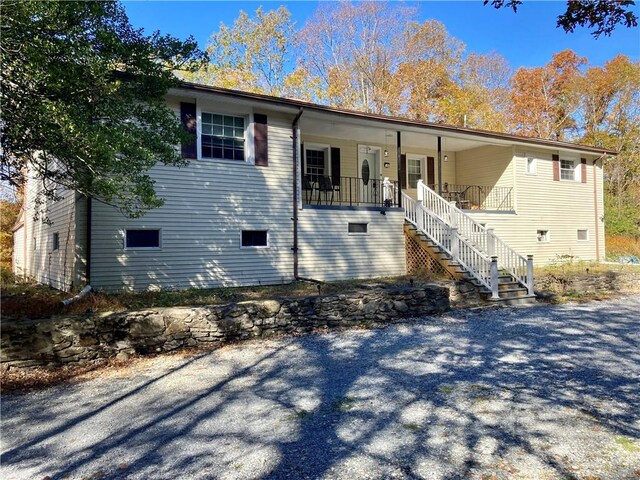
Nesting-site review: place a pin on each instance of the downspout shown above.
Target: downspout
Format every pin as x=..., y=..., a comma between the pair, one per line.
x=88, y=244
x=296, y=153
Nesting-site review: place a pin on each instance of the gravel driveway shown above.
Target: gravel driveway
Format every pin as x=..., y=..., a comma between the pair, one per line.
x=541, y=393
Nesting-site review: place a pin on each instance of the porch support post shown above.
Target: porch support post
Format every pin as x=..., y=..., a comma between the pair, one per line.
x=398, y=160
x=494, y=278
x=439, y=165
x=530, y=274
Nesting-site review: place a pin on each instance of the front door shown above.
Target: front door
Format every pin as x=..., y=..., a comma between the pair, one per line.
x=370, y=186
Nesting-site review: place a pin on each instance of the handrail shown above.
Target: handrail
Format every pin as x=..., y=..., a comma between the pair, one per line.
x=480, y=237
x=448, y=239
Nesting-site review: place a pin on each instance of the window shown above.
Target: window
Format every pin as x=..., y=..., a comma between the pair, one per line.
x=254, y=238
x=316, y=161
x=223, y=136
x=359, y=228
x=567, y=170
x=143, y=238
x=414, y=171
x=56, y=241
x=531, y=166
x=543, y=236
x=583, y=235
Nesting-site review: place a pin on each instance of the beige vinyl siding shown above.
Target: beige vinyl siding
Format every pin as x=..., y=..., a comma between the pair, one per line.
x=328, y=252
x=207, y=205
x=560, y=207
x=18, y=251
x=43, y=263
x=488, y=165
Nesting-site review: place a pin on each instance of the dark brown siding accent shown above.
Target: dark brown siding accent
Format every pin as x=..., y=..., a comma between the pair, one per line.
x=188, y=119
x=403, y=170
x=335, y=165
x=261, y=139
x=583, y=171
x=556, y=167
x=431, y=171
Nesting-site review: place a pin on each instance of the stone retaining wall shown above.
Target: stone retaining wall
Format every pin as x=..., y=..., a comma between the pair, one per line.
x=603, y=282
x=81, y=340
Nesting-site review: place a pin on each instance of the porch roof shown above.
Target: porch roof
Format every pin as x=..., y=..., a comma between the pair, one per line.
x=389, y=122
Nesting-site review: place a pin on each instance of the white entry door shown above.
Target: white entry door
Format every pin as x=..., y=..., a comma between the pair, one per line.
x=370, y=186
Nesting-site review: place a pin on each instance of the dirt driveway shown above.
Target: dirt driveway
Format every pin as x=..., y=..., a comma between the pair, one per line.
x=544, y=392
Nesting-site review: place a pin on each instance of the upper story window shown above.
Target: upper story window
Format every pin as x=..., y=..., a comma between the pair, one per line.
x=414, y=171
x=223, y=136
x=567, y=169
x=531, y=165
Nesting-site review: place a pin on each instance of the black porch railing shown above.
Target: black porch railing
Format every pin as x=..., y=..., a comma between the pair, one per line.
x=349, y=191
x=478, y=197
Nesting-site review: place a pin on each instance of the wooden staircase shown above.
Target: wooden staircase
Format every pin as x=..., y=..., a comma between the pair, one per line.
x=510, y=291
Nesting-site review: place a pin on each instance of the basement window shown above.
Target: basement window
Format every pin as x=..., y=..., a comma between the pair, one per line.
x=55, y=241
x=254, y=238
x=543, y=236
x=146, y=238
x=358, y=228
x=583, y=235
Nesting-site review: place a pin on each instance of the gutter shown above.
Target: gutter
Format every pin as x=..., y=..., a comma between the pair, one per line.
x=294, y=218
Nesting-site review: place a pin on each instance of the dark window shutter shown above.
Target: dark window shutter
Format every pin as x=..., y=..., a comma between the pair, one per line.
x=431, y=172
x=556, y=167
x=335, y=165
x=302, y=162
x=261, y=139
x=403, y=171
x=188, y=119
x=583, y=172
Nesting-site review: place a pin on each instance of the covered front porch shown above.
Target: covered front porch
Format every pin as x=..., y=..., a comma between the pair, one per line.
x=367, y=164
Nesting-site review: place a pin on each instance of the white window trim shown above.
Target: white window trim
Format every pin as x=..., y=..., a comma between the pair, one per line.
x=126, y=248
x=255, y=247
x=359, y=234
x=423, y=161
x=249, y=149
x=585, y=230
x=548, y=239
x=534, y=163
x=577, y=177
x=319, y=147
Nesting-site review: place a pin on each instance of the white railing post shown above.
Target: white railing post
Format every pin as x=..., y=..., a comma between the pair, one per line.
x=420, y=192
x=491, y=242
x=530, y=274
x=494, y=278
x=455, y=244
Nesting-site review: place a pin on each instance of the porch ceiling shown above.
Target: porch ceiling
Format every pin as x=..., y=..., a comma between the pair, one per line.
x=331, y=128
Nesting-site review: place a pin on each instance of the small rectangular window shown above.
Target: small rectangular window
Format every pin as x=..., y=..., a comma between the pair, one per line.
x=543, y=235
x=583, y=235
x=254, y=238
x=359, y=228
x=143, y=238
x=567, y=170
x=56, y=241
x=531, y=166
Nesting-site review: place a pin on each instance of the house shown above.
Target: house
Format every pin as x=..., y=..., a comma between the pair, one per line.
x=280, y=189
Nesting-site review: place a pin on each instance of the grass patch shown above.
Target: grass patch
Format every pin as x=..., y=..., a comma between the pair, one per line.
x=411, y=426
x=628, y=444
x=299, y=414
x=30, y=300
x=447, y=389
x=344, y=404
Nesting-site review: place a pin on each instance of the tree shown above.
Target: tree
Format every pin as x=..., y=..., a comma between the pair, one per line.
x=544, y=100
x=252, y=54
x=602, y=15
x=82, y=100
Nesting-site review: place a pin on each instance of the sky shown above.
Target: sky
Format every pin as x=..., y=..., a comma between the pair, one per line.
x=526, y=38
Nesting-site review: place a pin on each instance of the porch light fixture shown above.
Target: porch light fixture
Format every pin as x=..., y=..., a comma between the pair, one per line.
x=386, y=152
x=446, y=158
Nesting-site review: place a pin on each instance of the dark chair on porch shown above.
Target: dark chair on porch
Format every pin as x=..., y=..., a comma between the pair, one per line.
x=325, y=187
x=307, y=188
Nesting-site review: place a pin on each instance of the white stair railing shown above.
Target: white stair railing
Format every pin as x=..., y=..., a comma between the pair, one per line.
x=447, y=238
x=481, y=238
